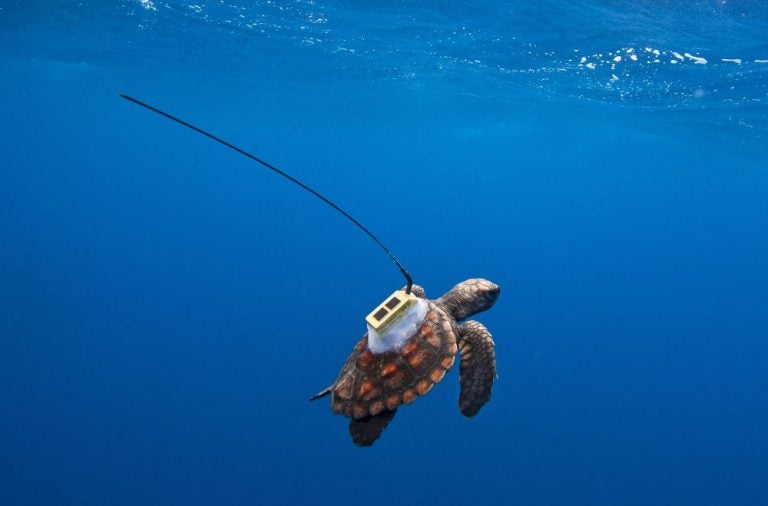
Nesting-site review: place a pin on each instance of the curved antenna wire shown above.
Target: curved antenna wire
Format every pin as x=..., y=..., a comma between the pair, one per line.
x=271, y=167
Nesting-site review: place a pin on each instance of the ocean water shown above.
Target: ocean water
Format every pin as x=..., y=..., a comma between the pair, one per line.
x=167, y=306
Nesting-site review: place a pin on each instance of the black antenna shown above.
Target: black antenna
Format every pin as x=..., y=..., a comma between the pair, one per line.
x=271, y=167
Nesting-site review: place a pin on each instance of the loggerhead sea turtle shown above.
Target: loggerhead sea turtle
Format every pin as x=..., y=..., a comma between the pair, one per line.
x=376, y=379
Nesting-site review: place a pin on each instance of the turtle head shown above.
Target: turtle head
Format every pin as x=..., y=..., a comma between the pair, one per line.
x=469, y=297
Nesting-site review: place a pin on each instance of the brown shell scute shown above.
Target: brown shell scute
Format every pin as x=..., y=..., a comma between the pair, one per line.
x=371, y=383
x=364, y=360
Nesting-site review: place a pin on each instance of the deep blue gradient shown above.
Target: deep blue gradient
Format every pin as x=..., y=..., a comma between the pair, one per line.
x=167, y=306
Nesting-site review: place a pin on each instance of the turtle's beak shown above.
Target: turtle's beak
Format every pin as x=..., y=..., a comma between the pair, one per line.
x=491, y=293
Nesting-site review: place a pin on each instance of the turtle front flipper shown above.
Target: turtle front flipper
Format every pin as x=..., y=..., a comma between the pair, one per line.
x=366, y=430
x=478, y=367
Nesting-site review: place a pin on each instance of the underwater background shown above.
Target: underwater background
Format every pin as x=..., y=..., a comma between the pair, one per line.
x=167, y=306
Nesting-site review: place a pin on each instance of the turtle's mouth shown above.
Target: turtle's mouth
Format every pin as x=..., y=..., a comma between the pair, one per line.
x=493, y=293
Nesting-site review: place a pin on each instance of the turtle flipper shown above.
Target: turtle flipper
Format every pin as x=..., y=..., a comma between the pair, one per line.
x=366, y=430
x=478, y=367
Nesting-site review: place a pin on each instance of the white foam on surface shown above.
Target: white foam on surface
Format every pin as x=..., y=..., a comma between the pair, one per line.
x=397, y=332
x=698, y=60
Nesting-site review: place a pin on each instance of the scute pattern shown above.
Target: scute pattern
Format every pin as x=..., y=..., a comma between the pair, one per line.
x=370, y=383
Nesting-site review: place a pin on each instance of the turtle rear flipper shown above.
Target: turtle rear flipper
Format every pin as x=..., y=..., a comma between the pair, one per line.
x=478, y=367
x=366, y=430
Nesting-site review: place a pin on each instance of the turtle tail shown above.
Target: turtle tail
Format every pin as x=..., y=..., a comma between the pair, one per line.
x=321, y=393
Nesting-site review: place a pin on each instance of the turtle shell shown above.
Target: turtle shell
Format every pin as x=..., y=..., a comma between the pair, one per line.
x=370, y=383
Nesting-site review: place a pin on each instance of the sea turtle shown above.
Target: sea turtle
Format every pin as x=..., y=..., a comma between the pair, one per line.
x=373, y=381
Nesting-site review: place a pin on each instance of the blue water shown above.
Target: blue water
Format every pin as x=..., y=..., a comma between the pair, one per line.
x=167, y=307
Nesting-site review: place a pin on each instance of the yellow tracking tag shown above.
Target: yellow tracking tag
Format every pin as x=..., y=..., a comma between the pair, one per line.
x=388, y=311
